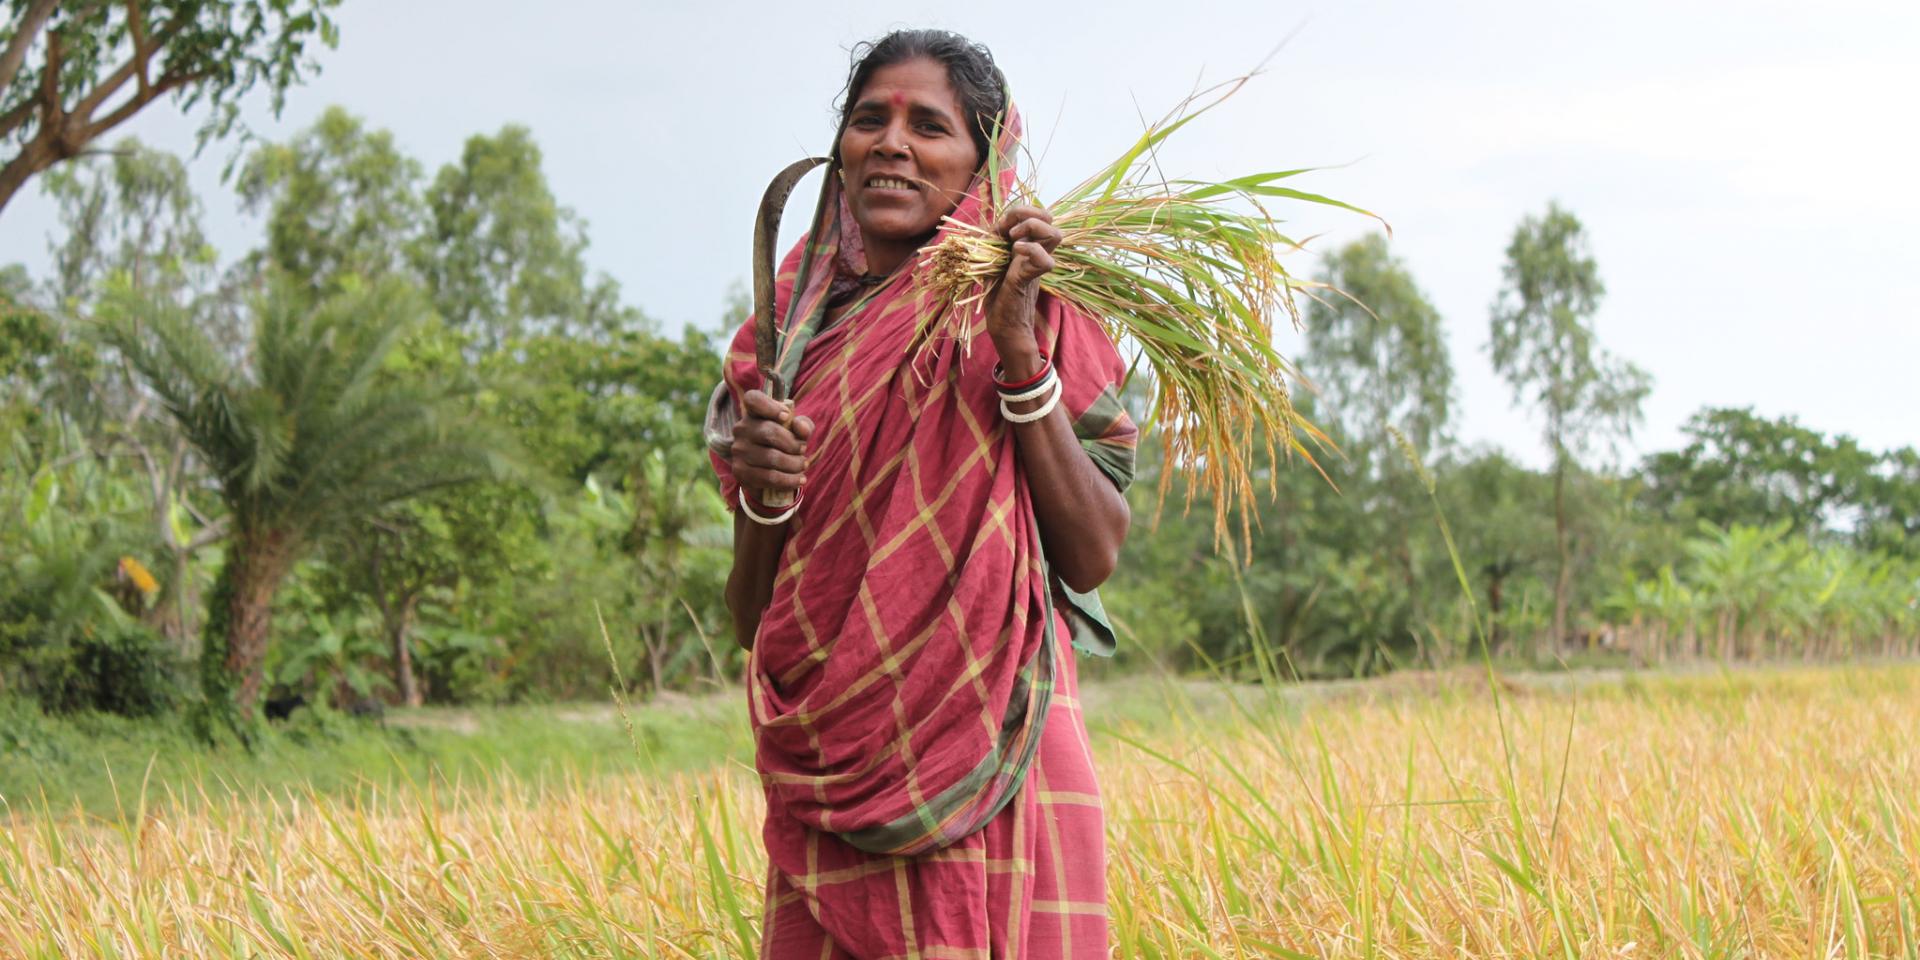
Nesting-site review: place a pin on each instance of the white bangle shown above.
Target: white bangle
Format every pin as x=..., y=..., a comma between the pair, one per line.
x=1036, y=392
x=767, y=521
x=1039, y=414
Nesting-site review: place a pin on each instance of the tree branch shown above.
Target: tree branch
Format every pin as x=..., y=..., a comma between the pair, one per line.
x=85, y=106
x=142, y=54
x=50, y=85
x=143, y=51
x=12, y=119
x=212, y=532
x=135, y=102
x=30, y=27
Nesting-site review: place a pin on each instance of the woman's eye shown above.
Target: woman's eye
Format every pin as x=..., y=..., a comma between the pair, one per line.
x=932, y=128
x=866, y=122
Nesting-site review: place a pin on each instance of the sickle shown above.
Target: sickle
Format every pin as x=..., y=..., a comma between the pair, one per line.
x=766, y=232
x=766, y=337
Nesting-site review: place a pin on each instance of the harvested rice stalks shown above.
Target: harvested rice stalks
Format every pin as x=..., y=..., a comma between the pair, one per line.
x=1187, y=274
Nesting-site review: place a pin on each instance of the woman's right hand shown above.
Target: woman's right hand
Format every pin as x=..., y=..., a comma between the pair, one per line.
x=770, y=444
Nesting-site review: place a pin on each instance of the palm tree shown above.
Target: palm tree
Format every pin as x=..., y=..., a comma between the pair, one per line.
x=306, y=433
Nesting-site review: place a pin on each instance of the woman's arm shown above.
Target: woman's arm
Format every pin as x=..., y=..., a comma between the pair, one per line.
x=769, y=453
x=1083, y=517
x=756, y=559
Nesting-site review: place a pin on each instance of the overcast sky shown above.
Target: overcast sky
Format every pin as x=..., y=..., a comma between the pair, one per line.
x=1747, y=172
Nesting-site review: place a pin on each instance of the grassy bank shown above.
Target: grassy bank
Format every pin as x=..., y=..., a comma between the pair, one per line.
x=97, y=764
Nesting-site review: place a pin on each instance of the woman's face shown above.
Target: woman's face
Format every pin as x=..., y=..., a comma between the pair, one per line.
x=908, y=158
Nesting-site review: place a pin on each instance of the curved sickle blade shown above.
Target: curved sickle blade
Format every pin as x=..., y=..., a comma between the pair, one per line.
x=766, y=232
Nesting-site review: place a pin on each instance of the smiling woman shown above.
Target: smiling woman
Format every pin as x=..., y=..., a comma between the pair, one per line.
x=911, y=682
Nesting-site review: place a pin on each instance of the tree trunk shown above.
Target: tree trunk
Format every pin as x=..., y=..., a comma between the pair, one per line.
x=399, y=626
x=183, y=598
x=1563, y=580
x=241, y=622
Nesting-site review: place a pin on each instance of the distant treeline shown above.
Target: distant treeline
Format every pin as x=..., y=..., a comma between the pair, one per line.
x=410, y=448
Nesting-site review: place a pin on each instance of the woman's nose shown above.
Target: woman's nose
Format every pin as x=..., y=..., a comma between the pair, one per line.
x=892, y=142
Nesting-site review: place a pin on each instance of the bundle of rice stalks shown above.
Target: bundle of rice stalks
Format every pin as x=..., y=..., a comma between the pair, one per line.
x=1187, y=273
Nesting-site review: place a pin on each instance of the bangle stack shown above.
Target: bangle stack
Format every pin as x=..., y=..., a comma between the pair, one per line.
x=1041, y=384
x=773, y=521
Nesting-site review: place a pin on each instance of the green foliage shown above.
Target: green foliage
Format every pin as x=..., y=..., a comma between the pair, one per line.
x=501, y=258
x=1752, y=592
x=1742, y=468
x=304, y=433
x=328, y=650
x=1543, y=342
x=1889, y=505
x=1377, y=352
x=73, y=72
x=138, y=217
x=70, y=604
x=340, y=200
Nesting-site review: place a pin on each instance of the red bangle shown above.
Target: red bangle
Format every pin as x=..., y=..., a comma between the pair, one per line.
x=1046, y=367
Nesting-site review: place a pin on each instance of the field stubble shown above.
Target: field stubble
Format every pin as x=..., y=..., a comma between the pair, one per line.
x=1742, y=814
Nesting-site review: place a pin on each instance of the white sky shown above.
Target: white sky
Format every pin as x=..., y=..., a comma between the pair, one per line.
x=1747, y=172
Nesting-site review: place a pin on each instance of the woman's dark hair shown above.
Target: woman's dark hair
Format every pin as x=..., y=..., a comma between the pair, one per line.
x=970, y=68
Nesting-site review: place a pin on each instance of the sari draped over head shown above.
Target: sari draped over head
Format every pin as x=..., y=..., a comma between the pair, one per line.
x=901, y=672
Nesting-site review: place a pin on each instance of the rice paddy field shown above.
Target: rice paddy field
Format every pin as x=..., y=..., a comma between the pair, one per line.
x=1751, y=813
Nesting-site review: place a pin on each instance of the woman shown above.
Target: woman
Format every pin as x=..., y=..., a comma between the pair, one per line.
x=929, y=787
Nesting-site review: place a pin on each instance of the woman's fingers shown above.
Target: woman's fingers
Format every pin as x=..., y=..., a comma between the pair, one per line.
x=1033, y=236
x=767, y=458
x=760, y=405
x=1028, y=222
x=1030, y=260
x=1038, y=231
x=1019, y=212
x=767, y=433
x=765, y=467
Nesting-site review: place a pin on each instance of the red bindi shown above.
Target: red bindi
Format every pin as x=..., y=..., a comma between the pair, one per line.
x=899, y=99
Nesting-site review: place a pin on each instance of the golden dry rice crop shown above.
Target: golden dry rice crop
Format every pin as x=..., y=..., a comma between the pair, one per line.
x=1750, y=814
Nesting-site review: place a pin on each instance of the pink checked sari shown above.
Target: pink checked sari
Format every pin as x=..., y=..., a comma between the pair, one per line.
x=929, y=788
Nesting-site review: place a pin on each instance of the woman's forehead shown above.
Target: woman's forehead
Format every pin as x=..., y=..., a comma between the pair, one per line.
x=917, y=83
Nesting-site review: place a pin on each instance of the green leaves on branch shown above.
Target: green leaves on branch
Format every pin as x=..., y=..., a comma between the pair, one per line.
x=71, y=72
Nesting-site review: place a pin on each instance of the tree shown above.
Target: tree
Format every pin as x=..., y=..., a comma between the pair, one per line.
x=340, y=199
x=1742, y=468
x=415, y=554
x=501, y=257
x=1379, y=353
x=1889, y=505
x=62, y=64
x=136, y=215
x=305, y=437
x=1543, y=342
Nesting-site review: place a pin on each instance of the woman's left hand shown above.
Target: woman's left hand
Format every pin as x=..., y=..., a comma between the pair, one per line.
x=1033, y=237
